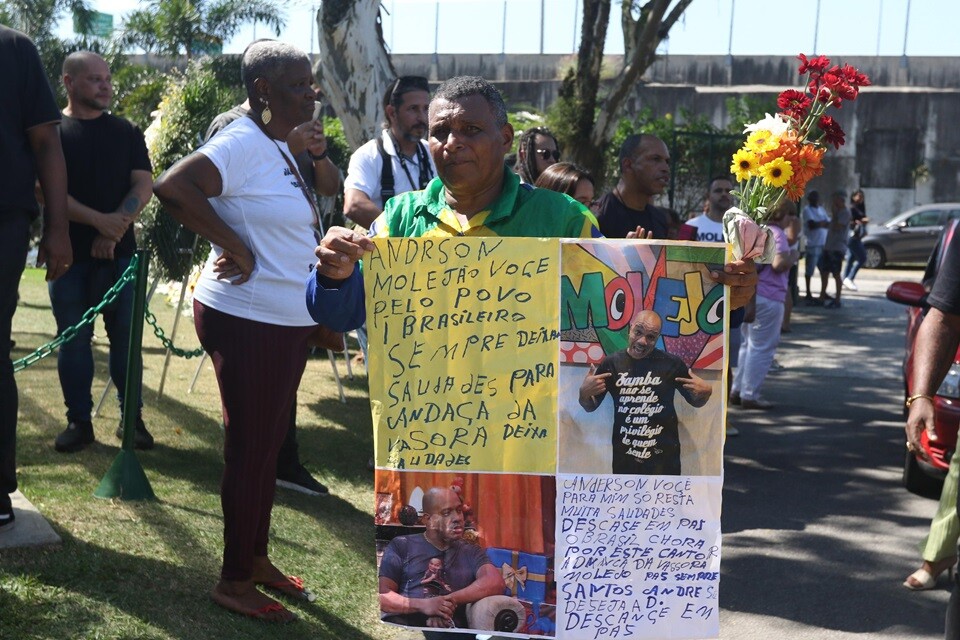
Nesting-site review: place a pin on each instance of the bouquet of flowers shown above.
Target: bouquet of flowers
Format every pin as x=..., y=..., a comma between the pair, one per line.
x=783, y=152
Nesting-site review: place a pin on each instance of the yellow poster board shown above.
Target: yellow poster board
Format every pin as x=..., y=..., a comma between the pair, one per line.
x=463, y=353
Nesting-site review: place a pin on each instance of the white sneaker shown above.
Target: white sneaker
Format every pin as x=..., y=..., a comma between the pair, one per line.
x=849, y=284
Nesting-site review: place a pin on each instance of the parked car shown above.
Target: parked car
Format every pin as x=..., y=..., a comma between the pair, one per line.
x=910, y=236
x=921, y=476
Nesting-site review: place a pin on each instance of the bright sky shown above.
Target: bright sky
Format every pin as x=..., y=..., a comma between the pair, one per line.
x=759, y=27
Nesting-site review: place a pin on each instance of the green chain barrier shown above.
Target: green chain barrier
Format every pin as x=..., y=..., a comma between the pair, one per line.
x=157, y=331
x=88, y=317
x=91, y=314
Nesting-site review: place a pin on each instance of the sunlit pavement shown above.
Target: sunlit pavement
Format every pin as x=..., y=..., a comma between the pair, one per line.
x=818, y=532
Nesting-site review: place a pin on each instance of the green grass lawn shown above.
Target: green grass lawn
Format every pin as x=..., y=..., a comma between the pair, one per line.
x=144, y=569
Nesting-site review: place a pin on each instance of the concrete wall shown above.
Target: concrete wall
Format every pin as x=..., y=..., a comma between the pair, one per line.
x=885, y=71
x=903, y=138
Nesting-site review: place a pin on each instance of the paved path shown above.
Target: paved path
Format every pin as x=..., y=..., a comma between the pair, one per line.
x=819, y=533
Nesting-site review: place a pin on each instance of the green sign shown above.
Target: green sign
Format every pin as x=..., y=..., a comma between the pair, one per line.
x=101, y=25
x=211, y=48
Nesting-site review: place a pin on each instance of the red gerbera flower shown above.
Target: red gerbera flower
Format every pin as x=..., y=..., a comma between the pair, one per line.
x=825, y=94
x=793, y=101
x=817, y=64
x=836, y=80
x=831, y=131
x=854, y=77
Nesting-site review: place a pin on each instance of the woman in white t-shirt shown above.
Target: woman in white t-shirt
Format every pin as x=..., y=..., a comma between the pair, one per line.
x=243, y=193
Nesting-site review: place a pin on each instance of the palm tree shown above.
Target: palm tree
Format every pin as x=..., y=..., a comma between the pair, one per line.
x=178, y=27
x=38, y=19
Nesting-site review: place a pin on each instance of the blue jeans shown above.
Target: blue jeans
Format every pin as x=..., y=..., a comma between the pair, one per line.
x=70, y=296
x=14, y=240
x=812, y=259
x=856, y=257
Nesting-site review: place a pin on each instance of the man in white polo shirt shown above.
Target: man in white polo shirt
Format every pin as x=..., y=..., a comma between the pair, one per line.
x=371, y=181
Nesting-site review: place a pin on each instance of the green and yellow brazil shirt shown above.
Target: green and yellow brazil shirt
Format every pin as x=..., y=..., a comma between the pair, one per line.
x=520, y=211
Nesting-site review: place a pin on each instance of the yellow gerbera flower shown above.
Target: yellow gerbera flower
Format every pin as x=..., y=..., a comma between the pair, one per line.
x=777, y=172
x=744, y=165
x=762, y=141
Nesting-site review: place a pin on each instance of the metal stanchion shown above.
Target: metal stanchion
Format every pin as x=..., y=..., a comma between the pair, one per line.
x=125, y=478
x=176, y=319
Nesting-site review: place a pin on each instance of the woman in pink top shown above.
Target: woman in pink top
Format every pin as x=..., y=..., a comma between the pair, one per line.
x=761, y=337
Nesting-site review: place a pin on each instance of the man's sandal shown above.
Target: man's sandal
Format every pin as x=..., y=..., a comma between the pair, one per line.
x=291, y=586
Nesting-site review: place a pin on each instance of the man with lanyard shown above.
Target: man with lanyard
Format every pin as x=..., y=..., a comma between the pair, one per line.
x=397, y=160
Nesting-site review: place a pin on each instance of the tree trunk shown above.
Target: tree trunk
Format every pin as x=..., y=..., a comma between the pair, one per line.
x=586, y=83
x=354, y=68
x=642, y=36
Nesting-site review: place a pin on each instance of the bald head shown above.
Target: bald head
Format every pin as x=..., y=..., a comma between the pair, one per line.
x=647, y=317
x=644, y=334
x=436, y=496
x=86, y=77
x=77, y=62
x=444, y=516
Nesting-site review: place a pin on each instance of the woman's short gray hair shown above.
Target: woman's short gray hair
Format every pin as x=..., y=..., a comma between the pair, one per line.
x=267, y=59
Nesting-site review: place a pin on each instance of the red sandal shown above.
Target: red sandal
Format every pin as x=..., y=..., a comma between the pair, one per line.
x=291, y=586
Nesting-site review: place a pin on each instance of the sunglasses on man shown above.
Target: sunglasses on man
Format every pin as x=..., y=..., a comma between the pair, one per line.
x=546, y=154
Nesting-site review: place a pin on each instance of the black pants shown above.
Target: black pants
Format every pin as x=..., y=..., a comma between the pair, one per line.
x=14, y=240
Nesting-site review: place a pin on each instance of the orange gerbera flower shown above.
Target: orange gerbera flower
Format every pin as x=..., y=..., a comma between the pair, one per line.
x=808, y=163
x=795, y=187
x=787, y=149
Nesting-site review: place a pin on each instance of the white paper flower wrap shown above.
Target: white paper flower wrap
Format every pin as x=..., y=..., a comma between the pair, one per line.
x=749, y=239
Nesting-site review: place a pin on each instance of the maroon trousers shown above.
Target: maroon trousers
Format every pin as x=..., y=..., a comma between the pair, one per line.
x=258, y=369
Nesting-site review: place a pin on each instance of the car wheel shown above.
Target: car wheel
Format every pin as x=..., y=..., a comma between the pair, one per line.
x=875, y=257
x=918, y=482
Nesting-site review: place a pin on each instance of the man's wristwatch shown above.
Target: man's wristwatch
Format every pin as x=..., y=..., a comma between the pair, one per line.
x=317, y=158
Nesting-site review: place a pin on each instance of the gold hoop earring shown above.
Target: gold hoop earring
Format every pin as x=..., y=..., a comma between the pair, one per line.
x=265, y=115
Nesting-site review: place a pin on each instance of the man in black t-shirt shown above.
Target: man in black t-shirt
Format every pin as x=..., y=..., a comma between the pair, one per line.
x=109, y=182
x=29, y=148
x=642, y=380
x=644, y=173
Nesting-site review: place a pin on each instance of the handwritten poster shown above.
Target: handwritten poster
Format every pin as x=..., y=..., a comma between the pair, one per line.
x=548, y=423
x=638, y=556
x=463, y=375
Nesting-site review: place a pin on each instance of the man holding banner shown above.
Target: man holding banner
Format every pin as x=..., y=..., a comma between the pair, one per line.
x=473, y=195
